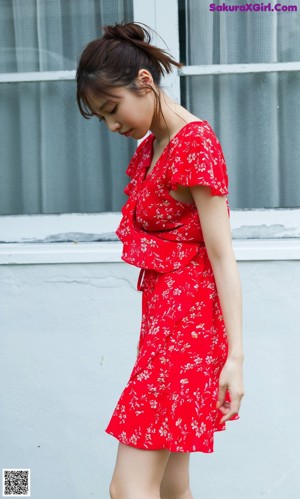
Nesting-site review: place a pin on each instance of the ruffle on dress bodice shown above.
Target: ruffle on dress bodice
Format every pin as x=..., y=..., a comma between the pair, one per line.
x=157, y=231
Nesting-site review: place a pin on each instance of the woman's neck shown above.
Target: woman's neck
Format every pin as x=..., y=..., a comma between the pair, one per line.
x=170, y=120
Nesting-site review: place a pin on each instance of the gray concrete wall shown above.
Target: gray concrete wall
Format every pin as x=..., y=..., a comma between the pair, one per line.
x=68, y=343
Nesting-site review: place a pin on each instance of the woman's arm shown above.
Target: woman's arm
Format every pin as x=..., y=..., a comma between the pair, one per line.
x=216, y=231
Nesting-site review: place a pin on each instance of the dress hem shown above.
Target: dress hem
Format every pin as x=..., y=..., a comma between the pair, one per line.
x=169, y=448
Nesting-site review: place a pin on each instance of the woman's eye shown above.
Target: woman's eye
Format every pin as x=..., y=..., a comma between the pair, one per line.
x=113, y=110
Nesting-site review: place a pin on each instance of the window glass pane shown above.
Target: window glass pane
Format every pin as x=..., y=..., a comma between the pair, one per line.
x=257, y=121
x=254, y=115
x=49, y=35
x=237, y=37
x=52, y=159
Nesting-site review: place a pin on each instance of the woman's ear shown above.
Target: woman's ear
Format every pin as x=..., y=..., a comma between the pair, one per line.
x=144, y=79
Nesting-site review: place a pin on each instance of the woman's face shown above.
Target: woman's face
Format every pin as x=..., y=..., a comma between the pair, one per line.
x=128, y=112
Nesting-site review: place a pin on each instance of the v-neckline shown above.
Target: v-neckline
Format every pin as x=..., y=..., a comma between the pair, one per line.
x=146, y=168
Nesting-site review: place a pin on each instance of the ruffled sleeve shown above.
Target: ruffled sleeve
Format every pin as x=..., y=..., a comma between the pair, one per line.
x=199, y=160
x=131, y=170
x=136, y=164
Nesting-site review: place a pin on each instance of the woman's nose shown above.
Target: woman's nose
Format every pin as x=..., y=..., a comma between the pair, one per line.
x=113, y=125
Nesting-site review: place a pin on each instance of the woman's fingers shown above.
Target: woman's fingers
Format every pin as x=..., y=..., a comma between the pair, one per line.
x=221, y=396
x=231, y=379
x=231, y=408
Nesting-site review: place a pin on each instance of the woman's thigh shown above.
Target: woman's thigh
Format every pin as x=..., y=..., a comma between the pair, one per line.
x=138, y=473
x=175, y=482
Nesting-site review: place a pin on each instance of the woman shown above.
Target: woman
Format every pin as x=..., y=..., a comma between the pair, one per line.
x=187, y=380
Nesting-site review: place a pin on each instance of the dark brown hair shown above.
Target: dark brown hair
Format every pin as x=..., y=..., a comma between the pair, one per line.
x=115, y=60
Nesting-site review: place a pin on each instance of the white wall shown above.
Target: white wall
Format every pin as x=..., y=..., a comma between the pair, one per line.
x=68, y=343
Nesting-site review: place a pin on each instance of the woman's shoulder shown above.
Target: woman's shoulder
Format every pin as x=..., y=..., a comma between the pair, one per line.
x=198, y=159
x=199, y=128
x=194, y=137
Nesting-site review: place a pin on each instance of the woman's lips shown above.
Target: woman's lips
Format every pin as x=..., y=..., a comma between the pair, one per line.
x=127, y=133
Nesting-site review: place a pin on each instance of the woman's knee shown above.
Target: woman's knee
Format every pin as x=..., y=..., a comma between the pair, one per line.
x=175, y=483
x=113, y=490
x=118, y=490
x=137, y=473
x=176, y=491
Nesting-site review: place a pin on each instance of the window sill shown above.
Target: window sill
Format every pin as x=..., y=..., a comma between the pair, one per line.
x=90, y=238
x=110, y=252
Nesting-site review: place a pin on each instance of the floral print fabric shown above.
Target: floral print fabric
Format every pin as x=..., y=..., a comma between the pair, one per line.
x=170, y=399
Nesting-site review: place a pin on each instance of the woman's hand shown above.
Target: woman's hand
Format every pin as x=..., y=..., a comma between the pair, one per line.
x=231, y=378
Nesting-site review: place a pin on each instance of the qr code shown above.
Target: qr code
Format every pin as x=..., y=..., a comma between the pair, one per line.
x=16, y=483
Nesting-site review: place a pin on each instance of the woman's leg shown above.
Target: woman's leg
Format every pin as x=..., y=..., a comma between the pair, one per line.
x=176, y=483
x=138, y=473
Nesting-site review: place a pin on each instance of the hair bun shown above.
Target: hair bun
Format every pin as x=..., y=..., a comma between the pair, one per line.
x=115, y=61
x=129, y=32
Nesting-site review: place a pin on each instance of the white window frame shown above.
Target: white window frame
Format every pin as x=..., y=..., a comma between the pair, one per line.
x=267, y=234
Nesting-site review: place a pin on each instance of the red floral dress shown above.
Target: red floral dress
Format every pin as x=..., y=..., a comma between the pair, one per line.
x=170, y=399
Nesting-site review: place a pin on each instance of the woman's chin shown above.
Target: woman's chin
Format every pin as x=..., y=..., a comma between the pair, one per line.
x=141, y=135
